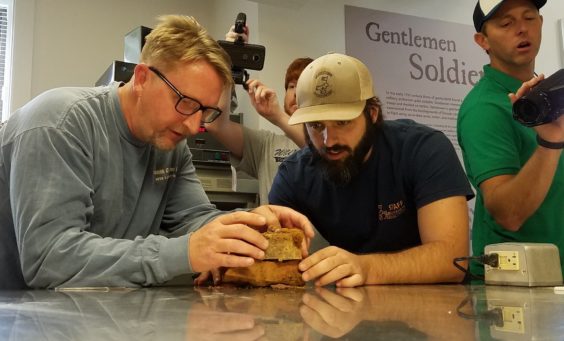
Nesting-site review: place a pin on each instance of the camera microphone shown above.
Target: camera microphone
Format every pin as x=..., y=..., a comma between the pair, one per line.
x=240, y=23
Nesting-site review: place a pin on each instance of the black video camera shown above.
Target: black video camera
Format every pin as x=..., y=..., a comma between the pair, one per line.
x=543, y=104
x=243, y=56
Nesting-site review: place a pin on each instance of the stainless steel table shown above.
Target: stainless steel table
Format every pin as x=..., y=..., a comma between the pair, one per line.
x=402, y=312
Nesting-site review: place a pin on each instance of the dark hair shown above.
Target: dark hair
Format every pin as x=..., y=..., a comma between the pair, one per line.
x=295, y=69
x=374, y=103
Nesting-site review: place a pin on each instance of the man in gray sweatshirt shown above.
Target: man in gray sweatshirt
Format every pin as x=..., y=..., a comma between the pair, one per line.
x=97, y=185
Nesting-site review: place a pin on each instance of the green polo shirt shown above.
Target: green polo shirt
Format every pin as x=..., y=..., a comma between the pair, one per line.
x=493, y=144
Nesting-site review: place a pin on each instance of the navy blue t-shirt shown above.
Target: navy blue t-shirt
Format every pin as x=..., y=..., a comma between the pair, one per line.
x=411, y=165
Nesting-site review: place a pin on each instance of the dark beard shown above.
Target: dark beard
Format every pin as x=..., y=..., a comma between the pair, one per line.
x=341, y=172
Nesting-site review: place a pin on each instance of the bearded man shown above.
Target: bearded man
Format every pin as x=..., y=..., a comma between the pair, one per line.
x=389, y=196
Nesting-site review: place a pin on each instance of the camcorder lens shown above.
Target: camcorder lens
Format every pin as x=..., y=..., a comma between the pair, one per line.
x=526, y=112
x=543, y=103
x=533, y=109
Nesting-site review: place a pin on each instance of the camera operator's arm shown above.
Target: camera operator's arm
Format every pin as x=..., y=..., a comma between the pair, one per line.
x=512, y=199
x=227, y=132
x=265, y=101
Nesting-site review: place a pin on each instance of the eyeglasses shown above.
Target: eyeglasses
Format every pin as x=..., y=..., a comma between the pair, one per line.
x=187, y=105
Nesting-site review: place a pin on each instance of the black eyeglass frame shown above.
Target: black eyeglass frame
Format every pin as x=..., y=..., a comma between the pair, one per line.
x=209, y=114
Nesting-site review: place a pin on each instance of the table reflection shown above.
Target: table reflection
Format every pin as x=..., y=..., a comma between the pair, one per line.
x=403, y=312
x=94, y=315
x=376, y=312
x=273, y=312
x=389, y=313
x=518, y=313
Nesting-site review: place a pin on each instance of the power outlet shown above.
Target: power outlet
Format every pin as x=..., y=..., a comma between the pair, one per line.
x=512, y=320
x=524, y=264
x=508, y=260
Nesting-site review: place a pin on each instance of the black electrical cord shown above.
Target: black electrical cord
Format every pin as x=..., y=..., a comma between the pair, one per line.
x=493, y=316
x=491, y=259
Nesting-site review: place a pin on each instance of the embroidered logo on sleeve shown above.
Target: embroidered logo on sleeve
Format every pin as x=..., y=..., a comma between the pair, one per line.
x=392, y=211
x=164, y=174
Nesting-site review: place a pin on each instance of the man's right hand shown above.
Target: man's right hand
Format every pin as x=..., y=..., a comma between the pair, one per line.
x=553, y=131
x=227, y=241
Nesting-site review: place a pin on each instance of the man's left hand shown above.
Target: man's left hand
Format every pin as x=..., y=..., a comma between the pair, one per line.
x=333, y=264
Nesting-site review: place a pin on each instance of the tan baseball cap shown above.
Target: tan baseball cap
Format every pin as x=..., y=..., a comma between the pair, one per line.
x=333, y=87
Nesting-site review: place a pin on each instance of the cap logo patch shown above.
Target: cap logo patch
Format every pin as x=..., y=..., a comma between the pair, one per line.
x=322, y=86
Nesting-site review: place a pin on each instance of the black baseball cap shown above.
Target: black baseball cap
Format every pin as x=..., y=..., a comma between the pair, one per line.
x=485, y=9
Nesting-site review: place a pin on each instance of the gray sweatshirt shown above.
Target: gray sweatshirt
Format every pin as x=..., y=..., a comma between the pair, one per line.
x=84, y=203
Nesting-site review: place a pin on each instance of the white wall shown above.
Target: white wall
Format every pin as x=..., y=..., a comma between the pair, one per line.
x=71, y=42
x=76, y=40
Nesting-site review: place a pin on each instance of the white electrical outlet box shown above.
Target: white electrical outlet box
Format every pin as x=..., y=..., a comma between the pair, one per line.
x=520, y=313
x=524, y=264
x=519, y=318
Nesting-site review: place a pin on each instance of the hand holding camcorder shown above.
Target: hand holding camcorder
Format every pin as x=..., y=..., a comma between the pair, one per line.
x=544, y=103
x=243, y=55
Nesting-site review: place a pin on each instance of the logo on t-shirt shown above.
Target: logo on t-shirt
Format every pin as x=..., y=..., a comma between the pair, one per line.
x=391, y=211
x=164, y=174
x=281, y=154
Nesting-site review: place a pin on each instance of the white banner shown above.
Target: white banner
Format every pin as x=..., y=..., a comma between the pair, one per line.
x=422, y=68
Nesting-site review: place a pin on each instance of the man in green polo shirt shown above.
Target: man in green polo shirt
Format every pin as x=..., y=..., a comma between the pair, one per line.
x=518, y=172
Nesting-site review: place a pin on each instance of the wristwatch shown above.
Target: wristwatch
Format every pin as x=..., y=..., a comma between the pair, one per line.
x=549, y=145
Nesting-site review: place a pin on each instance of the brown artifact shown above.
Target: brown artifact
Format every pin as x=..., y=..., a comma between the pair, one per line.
x=265, y=273
x=280, y=265
x=283, y=243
